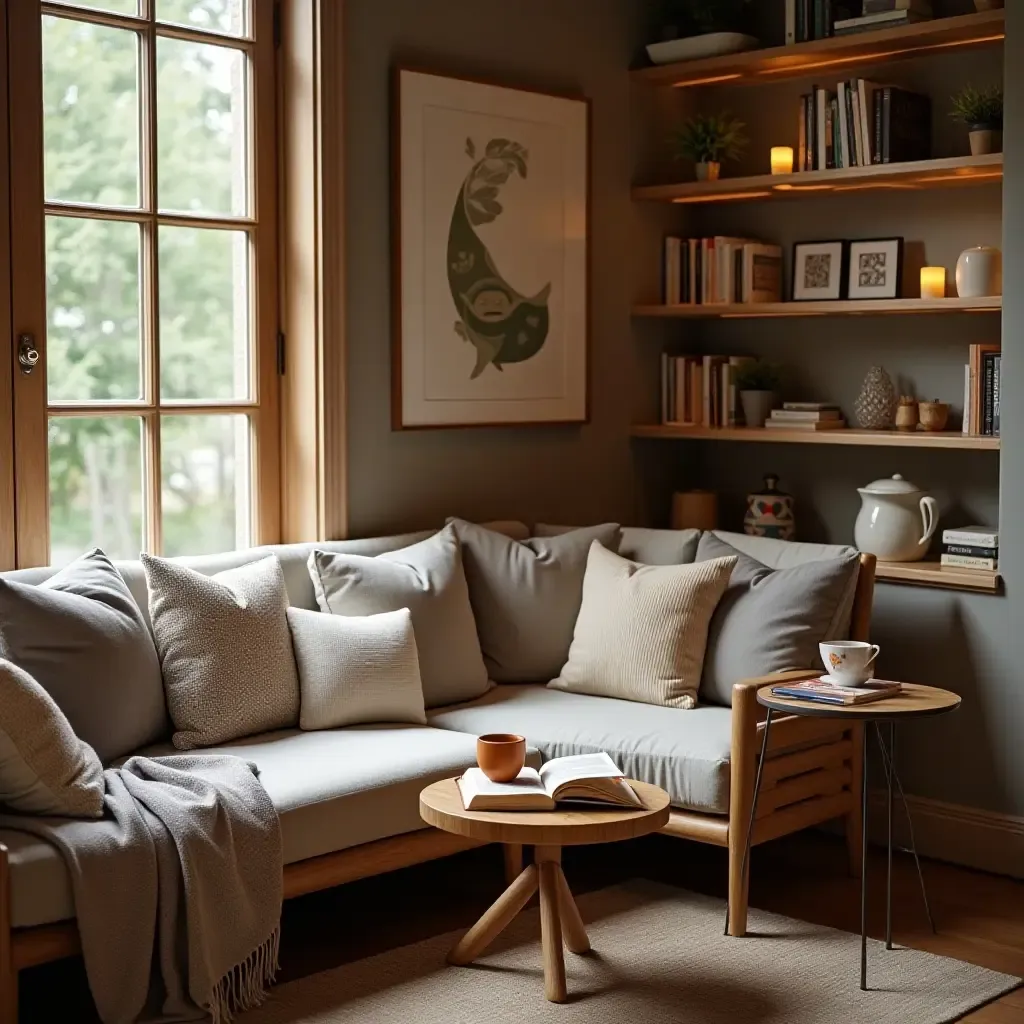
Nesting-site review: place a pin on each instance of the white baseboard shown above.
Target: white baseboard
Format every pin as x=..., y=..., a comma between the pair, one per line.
x=962, y=835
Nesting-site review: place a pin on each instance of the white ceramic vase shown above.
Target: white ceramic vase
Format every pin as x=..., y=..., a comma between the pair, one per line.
x=979, y=272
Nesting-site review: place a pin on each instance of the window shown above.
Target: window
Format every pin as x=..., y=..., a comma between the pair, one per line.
x=144, y=274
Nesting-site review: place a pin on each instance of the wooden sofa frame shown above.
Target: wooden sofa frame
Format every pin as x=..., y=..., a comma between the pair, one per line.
x=812, y=775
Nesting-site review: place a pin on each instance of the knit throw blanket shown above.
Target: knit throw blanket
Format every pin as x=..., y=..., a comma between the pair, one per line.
x=177, y=888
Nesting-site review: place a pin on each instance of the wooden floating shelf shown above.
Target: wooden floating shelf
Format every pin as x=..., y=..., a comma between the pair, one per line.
x=932, y=574
x=848, y=436
x=755, y=67
x=946, y=172
x=862, y=307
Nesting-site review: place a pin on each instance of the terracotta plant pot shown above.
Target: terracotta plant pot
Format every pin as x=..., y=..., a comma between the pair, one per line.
x=501, y=755
x=709, y=171
x=985, y=140
x=934, y=415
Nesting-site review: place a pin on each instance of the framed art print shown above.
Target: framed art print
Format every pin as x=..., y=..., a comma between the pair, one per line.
x=491, y=210
x=818, y=271
x=876, y=268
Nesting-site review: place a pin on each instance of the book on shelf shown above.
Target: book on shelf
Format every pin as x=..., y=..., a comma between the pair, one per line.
x=720, y=271
x=772, y=423
x=968, y=562
x=807, y=20
x=785, y=415
x=848, y=127
x=981, y=389
x=700, y=391
x=874, y=22
x=586, y=778
x=824, y=691
x=974, y=536
x=810, y=407
x=902, y=126
x=970, y=550
x=923, y=7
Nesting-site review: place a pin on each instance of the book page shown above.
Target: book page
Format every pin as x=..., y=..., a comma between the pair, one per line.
x=474, y=782
x=561, y=770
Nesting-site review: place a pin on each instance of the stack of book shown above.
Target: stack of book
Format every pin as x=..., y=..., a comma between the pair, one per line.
x=970, y=547
x=824, y=691
x=720, y=270
x=862, y=123
x=699, y=391
x=981, y=390
x=878, y=14
x=806, y=416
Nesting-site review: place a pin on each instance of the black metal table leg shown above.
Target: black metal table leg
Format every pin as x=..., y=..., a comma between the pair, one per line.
x=864, y=868
x=890, y=767
x=753, y=808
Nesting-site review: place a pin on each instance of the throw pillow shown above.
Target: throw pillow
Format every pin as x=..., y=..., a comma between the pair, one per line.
x=642, y=629
x=81, y=636
x=526, y=596
x=356, y=669
x=44, y=767
x=225, y=650
x=771, y=620
x=642, y=544
x=429, y=580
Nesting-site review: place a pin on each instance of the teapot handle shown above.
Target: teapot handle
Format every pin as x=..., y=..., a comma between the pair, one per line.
x=929, y=517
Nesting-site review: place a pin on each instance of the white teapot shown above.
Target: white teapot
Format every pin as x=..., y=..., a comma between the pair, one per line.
x=896, y=521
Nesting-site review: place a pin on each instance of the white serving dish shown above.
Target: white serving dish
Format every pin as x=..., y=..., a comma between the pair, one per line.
x=713, y=44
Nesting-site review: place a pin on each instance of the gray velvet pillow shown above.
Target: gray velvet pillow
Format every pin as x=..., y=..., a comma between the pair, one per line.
x=526, y=596
x=642, y=544
x=770, y=620
x=82, y=637
x=44, y=767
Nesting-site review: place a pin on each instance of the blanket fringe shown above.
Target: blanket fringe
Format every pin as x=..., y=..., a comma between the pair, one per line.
x=245, y=985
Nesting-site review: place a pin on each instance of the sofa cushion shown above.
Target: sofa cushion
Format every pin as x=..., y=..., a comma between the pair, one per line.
x=44, y=767
x=640, y=544
x=772, y=620
x=428, y=579
x=356, y=669
x=526, y=596
x=685, y=752
x=82, y=637
x=225, y=650
x=333, y=789
x=642, y=629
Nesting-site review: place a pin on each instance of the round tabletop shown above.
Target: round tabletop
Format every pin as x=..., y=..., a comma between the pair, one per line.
x=441, y=806
x=914, y=701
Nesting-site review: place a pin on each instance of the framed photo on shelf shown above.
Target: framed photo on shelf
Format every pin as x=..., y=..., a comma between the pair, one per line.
x=490, y=254
x=818, y=271
x=876, y=268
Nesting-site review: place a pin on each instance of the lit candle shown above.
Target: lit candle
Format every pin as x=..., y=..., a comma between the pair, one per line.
x=782, y=159
x=933, y=282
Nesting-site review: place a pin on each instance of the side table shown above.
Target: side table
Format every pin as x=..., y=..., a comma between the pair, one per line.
x=547, y=831
x=913, y=702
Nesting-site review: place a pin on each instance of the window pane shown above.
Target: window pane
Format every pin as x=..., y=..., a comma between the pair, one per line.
x=95, y=486
x=205, y=481
x=113, y=6
x=204, y=314
x=202, y=139
x=230, y=16
x=93, y=343
x=90, y=113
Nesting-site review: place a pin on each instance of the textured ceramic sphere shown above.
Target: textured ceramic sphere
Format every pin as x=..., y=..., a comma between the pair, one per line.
x=979, y=272
x=875, y=407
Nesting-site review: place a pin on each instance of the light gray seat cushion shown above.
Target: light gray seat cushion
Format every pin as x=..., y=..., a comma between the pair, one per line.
x=684, y=752
x=333, y=789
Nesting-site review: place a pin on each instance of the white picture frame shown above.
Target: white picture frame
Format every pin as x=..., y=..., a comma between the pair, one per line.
x=876, y=268
x=491, y=254
x=818, y=271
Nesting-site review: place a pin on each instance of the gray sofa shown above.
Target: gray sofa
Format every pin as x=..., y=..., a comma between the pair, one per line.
x=345, y=790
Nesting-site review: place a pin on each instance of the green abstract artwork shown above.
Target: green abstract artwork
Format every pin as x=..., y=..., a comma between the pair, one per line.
x=502, y=325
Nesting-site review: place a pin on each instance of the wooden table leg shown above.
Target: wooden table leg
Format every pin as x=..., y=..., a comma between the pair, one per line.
x=496, y=919
x=547, y=858
x=512, y=854
x=574, y=932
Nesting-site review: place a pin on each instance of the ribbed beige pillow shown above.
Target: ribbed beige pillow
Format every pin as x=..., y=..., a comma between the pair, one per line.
x=356, y=669
x=225, y=650
x=44, y=767
x=642, y=629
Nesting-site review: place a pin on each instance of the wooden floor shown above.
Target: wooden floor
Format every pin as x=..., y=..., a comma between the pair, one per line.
x=980, y=917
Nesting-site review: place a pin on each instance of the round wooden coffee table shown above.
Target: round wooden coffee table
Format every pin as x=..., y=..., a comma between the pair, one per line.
x=547, y=831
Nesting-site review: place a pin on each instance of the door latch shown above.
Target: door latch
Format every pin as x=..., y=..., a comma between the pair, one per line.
x=28, y=354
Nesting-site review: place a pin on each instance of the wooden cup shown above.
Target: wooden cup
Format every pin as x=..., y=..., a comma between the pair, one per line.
x=934, y=415
x=501, y=755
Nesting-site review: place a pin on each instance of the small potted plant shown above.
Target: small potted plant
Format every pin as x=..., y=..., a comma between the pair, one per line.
x=707, y=140
x=982, y=111
x=758, y=385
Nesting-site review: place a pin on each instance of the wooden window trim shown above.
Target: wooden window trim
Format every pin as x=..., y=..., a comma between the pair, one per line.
x=8, y=552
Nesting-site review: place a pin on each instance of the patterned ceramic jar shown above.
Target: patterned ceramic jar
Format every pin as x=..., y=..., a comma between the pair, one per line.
x=770, y=512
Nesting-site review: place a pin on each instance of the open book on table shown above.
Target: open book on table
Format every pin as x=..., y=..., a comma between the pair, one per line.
x=588, y=778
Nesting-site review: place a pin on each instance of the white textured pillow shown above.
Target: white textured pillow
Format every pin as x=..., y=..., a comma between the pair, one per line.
x=356, y=669
x=44, y=767
x=642, y=629
x=225, y=650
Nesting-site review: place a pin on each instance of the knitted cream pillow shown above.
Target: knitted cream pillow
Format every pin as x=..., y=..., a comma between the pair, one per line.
x=642, y=629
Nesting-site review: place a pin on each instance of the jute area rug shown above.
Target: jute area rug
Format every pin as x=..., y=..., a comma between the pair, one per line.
x=659, y=957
